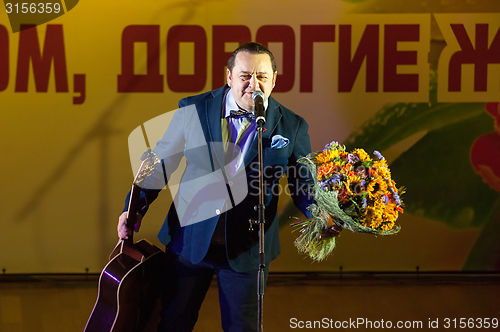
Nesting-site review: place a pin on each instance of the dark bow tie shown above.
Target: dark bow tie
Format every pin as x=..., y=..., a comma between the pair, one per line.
x=241, y=113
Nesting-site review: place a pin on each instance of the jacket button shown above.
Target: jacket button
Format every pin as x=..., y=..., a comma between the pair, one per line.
x=217, y=211
x=230, y=183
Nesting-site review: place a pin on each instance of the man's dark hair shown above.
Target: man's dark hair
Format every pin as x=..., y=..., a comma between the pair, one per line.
x=252, y=48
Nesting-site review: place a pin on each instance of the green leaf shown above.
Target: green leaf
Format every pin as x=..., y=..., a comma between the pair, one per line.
x=485, y=255
x=395, y=123
x=441, y=183
x=440, y=180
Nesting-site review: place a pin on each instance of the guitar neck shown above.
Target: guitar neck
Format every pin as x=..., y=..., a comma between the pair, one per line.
x=132, y=207
x=149, y=160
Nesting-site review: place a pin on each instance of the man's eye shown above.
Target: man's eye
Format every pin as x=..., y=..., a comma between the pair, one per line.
x=245, y=77
x=262, y=78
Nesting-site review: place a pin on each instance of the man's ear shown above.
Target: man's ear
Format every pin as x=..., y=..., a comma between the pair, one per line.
x=229, y=77
x=274, y=78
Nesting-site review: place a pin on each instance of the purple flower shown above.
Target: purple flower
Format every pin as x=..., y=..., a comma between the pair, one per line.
x=385, y=199
x=364, y=203
x=336, y=178
x=328, y=183
x=323, y=185
x=331, y=146
x=379, y=155
x=396, y=198
x=352, y=158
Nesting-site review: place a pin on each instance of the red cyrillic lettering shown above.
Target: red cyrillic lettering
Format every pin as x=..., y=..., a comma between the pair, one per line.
x=284, y=34
x=186, y=83
x=53, y=51
x=79, y=87
x=394, y=82
x=221, y=35
x=480, y=56
x=309, y=34
x=4, y=58
x=152, y=81
x=368, y=49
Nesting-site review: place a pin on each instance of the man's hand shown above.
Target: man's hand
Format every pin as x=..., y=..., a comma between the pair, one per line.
x=123, y=231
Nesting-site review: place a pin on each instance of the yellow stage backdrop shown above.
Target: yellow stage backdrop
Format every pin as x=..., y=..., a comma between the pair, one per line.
x=417, y=80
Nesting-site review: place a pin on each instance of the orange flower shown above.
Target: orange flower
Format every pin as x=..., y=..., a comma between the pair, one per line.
x=325, y=170
x=327, y=156
x=343, y=196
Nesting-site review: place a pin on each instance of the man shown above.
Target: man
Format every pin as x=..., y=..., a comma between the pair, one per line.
x=207, y=227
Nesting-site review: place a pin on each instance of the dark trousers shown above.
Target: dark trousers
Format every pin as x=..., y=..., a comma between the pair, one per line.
x=189, y=284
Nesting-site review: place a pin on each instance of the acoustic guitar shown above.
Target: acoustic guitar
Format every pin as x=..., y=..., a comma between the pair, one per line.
x=130, y=283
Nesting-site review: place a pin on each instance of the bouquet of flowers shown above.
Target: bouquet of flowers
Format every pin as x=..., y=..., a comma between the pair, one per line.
x=352, y=191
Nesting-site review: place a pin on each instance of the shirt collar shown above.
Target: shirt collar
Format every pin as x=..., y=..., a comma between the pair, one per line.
x=231, y=103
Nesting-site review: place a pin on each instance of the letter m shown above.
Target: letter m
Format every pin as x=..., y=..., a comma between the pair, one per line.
x=53, y=52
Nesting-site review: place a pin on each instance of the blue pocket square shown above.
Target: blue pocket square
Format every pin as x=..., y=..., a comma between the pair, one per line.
x=279, y=142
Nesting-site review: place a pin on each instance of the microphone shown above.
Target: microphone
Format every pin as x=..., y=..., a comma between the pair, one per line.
x=258, y=99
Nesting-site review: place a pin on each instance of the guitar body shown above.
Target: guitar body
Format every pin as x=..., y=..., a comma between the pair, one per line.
x=129, y=287
x=131, y=282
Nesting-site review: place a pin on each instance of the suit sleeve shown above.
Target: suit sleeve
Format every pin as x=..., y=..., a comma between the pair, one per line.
x=170, y=150
x=300, y=180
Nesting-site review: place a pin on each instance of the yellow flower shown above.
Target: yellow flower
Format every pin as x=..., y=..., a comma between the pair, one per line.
x=377, y=186
x=353, y=179
x=381, y=169
x=353, y=185
x=327, y=156
x=384, y=172
x=387, y=226
x=338, y=167
x=390, y=212
x=373, y=216
x=363, y=156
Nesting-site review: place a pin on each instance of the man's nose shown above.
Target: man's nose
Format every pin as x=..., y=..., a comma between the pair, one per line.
x=254, y=83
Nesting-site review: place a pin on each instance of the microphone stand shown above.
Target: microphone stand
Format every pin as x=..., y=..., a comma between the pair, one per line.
x=260, y=222
x=258, y=97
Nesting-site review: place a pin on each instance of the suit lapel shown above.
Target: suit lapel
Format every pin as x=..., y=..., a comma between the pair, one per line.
x=213, y=111
x=273, y=116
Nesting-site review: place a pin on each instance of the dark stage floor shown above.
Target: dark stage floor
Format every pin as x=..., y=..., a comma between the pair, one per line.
x=298, y=301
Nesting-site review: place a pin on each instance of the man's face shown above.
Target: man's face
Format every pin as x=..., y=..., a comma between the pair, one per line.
x=250, y=72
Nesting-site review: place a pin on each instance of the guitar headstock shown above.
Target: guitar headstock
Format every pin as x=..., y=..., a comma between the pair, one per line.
x=148, y=165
